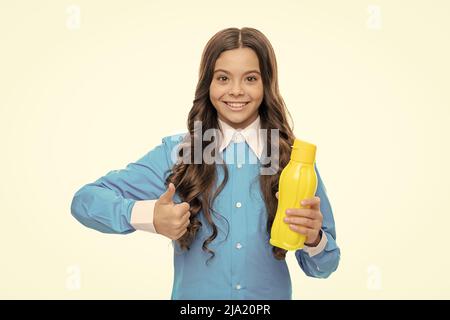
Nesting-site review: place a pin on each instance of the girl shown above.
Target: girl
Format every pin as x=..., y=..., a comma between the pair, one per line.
x=219, y=213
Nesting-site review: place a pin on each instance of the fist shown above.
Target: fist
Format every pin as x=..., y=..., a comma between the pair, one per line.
x=171, y=219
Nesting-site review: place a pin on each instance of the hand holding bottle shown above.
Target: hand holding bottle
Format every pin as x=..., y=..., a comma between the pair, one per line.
x=297, y=182
x=171, y=219
x=307, y=221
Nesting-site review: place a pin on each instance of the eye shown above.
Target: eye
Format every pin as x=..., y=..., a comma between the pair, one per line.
x=252, y=77
x=221, y=77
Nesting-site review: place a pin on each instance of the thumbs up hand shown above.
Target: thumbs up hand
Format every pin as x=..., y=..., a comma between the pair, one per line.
x=171, y=219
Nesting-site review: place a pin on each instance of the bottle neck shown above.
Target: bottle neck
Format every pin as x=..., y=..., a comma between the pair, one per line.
x=306, y=156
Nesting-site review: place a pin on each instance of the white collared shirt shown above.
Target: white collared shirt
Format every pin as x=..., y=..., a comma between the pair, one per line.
x=250, y=134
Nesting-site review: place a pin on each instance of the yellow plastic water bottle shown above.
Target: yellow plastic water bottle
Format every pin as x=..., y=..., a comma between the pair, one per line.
x=298, y=181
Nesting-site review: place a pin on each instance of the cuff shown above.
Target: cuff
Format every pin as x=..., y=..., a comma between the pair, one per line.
x=312, y=251
x=142, y=215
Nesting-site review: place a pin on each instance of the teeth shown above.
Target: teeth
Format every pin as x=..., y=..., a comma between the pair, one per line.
x=236, y=105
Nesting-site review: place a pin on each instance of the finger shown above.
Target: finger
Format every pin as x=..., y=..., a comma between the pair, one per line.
x=307, y=213
x=304, y=222
x=185, y=219
x=179, y=235
x=186, y=224
x=182, y=226
x=167, y=197
x=182, y=208
x=312, y=203
x=302, y=230
x=276, y=195
x=186, y=215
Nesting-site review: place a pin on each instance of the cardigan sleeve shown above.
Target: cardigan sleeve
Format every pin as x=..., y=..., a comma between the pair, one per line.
x=323, y=264
x=105, y=205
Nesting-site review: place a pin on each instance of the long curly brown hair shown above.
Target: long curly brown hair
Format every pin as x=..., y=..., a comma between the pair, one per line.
x=194, y=182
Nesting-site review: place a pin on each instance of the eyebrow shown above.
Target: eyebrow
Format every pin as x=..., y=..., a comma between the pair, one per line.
x=250, y=71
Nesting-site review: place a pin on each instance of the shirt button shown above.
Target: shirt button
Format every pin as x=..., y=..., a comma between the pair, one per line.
x=239, y=166
x=238, y=204
x=238, y=245
x=238, y=287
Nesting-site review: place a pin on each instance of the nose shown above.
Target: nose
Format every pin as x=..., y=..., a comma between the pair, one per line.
x=236, y=89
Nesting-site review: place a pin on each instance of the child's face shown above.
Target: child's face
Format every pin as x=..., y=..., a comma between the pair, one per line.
x=234, y=83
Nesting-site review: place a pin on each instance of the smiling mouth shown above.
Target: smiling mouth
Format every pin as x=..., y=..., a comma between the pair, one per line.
x=236, y=105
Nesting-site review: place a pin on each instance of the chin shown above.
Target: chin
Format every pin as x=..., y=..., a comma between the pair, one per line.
x=237, y=120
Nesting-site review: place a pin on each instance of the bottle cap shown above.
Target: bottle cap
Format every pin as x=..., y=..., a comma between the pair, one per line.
x=303, y=151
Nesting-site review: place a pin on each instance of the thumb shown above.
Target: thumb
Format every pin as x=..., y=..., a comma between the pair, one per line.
x=167, y=197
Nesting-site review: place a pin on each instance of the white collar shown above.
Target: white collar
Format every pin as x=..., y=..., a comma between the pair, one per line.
x=251, y=134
